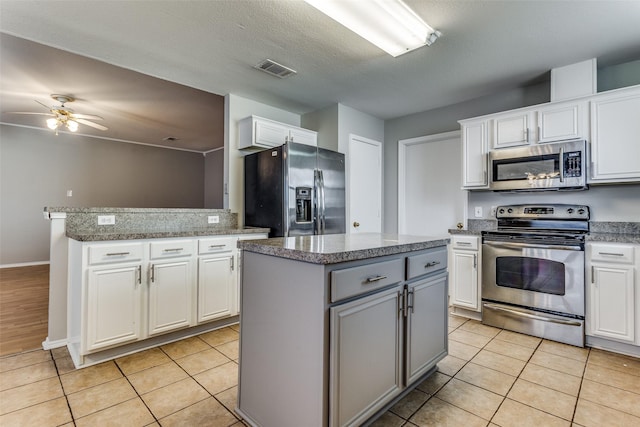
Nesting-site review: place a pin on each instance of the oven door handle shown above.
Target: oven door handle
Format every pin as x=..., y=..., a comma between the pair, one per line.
x=497, y=244
x=531, y=316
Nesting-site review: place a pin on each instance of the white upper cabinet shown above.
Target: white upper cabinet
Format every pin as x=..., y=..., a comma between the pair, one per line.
x=562, y=122
x=256, y=132
x=615, y=130
x=512, y=129
x=475, y=150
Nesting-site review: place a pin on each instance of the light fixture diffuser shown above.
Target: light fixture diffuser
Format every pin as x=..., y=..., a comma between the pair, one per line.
x=389, y=24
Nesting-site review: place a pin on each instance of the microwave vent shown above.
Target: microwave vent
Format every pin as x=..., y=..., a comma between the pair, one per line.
x=271, y=67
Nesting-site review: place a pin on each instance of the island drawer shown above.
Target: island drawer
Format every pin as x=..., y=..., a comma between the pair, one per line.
x=216, y=244
x=353, y=281
x=426, y=263
x=170, y=249
x=121, y=252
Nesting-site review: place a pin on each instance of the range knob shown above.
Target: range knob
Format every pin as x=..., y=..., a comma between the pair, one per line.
x=581, y=211
x=570, y=210
x=501, y=210
x=510, y=210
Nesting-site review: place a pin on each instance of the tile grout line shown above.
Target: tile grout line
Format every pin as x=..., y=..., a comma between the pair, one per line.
x=64, y=392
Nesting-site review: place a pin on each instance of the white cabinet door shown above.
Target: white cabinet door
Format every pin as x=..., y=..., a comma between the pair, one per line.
x=270, y=134
x=561, y=122
x=170, y=296
x=426, y=325
x=216, y=288
x=474, y=155
x=612, y=306
x=303, y=136
x=464, y=279
x=365, y=360
x=511, y=129
x=113, y=301
x=615, y=126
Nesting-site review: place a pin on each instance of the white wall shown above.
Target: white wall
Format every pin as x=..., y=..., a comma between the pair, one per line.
x=237, y=108
x=325, y=122
x=213, y=179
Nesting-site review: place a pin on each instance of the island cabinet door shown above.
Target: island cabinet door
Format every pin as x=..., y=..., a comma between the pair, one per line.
x=113, y=302
x=426, y=325
x=170, y=296
x=365, y=356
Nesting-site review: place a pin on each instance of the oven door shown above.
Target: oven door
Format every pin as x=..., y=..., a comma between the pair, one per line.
x=538, y=276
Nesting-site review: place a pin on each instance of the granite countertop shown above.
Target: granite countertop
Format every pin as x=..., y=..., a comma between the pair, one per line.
x=336, y=248
x=91, y=236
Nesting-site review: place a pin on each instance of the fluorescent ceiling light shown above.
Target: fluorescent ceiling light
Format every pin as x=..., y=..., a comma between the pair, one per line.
x=389, y=24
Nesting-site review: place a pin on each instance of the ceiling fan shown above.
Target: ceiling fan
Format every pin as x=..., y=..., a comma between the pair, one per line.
x=64, y=116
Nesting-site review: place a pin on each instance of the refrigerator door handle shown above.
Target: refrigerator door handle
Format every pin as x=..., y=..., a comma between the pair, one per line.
x=322, y=204
x=316, y=202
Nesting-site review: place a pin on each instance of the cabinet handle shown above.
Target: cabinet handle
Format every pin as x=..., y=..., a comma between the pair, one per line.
x=431, y=264
x=118, y=253
x=593, y=270
x=463, y=243
x=610, y=253
x=173, y=250
x=410, y=305
x=216, y=246
x=375, y=279
x=153, y=272
x=405, y=301
x=475, y=261
x=139, y=274
x=231, y=262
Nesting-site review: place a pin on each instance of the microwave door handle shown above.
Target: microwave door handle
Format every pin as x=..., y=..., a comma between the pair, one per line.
x=561, y=164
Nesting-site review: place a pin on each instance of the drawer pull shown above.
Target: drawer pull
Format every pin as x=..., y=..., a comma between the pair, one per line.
x=375, y=279
x=173, y=250
x=118, y=253
x=216, y=246
x=431, y=264
x=463, y=243
x=610, y=253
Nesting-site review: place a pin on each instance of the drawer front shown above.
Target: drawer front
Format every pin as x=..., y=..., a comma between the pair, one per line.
x=465, y=242
x=121, y=252
x=612, y=253
x=217, y=244
x=170, y=249
x=427, y=263
x=365, y=278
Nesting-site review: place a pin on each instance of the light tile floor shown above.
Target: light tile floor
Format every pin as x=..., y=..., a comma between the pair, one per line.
x=490, y=378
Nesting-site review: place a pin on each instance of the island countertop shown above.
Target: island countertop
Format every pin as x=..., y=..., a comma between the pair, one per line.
x=336, y=248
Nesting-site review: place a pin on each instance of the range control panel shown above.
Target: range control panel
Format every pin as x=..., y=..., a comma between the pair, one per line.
x=556, y=211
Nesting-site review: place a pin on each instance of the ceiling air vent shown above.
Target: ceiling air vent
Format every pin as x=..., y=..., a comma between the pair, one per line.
x=275, y=69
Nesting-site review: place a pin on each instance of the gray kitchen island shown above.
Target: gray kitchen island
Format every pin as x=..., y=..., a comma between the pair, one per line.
x=336, y=328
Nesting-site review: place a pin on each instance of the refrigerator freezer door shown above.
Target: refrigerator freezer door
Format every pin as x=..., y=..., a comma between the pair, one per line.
x=331, y=165
x=264, y=191
x=301, y=163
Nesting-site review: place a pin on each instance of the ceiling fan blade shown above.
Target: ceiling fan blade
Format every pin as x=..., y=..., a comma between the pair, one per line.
x=86, y=116
x=27, y=112
x=45, y=106
x=88, y=123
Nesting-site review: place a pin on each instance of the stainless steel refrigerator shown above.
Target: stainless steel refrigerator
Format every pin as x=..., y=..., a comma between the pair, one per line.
x=295, y=190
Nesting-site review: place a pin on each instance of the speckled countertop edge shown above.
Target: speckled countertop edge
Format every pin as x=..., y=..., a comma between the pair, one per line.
x=97, y=237
x=131, y=210
x=275, y=247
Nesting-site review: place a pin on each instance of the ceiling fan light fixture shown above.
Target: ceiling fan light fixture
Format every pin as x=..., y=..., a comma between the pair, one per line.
x=389, y=24
x=72, y=125
x=52, y=124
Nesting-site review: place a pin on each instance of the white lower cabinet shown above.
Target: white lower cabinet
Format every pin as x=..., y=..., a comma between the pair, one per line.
x=113, y=303
x=613, y=299
x=170, y=296
x=216, y=287
x=464, y=272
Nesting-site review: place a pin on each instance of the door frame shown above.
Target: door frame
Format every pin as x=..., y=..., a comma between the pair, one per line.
x=403, y=144
x=378, y=144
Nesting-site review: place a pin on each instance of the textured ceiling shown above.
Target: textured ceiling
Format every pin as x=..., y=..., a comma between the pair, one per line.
x=487, y=46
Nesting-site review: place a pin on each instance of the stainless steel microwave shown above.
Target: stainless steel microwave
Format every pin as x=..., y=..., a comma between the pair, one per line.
x=551, y=166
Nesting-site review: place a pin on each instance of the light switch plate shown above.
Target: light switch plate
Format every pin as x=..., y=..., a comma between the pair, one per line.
x=106, y=219
x=213, y=219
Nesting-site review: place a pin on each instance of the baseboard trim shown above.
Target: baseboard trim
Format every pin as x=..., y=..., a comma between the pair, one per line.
x=24, y=264
x=49, y=345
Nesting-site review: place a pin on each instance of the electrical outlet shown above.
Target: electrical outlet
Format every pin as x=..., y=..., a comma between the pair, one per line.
x=106, y=219
x=69, y=193
x=493, y=211
x=213, y=219
x=478, y=211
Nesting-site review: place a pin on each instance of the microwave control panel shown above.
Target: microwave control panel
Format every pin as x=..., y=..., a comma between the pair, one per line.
x=572, y=164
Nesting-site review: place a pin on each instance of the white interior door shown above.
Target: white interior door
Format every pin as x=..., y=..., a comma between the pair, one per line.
x=365, y=185
x=430, y=198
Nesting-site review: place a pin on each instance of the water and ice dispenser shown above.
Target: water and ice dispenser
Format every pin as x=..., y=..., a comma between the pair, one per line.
x=303, y=204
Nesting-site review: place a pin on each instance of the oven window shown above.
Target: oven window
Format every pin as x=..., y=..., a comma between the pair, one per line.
x=535, y=167
x=531, y=274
